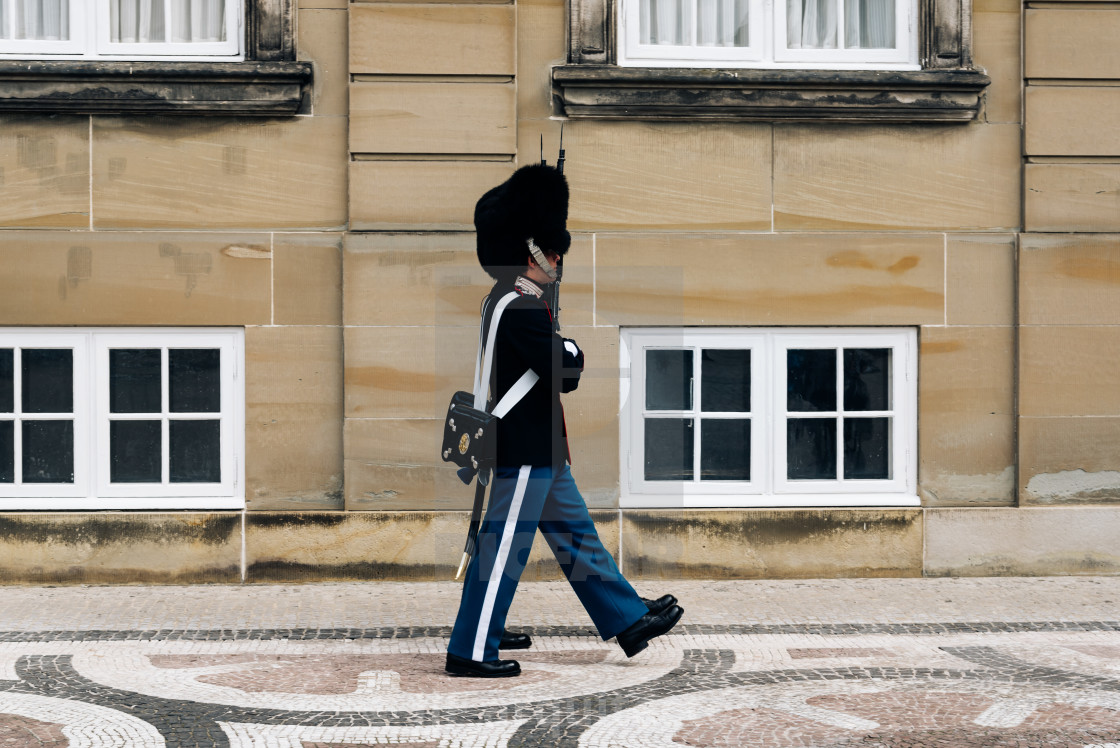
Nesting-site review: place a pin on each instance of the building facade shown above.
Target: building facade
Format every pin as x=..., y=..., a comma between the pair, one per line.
x=845, y=278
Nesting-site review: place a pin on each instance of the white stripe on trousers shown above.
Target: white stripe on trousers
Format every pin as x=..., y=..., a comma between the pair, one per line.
x=499, y=565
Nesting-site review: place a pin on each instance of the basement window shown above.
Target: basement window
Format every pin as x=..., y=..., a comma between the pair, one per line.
x=769, y=417
x=115, y=419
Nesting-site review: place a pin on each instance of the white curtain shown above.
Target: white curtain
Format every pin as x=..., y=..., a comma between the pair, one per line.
x=665, y=22
x=811, y=24
x=148, y=21
x=48, y=20
x=722, y=23
x=869, y=24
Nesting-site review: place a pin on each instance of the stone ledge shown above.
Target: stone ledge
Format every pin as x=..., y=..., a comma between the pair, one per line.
x=93, y=87
x=611, y=92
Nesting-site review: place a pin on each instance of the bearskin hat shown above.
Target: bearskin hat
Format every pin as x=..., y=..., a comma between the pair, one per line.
x=533, y=203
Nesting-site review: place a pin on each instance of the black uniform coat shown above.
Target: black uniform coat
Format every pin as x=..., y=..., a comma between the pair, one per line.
x=533, y=432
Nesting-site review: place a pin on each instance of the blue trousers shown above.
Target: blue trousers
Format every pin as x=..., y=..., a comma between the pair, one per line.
x=521, y=501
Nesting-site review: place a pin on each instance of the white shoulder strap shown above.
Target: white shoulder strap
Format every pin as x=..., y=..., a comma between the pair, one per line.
x=481, y=384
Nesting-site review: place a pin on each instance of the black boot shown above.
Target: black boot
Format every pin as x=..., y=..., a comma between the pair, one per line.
x=513, y=640
x=662, y=603
x=651, y=625
x=461, y=666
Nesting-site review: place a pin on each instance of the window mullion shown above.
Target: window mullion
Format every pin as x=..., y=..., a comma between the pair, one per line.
x=17, y=408
x=840, y=412
x=694, y=391
x=165, y=428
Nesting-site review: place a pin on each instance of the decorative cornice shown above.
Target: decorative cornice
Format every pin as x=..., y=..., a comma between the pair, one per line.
x=612, y=92
x=89, y=86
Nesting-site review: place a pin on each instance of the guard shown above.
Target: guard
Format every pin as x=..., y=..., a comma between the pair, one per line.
x=521, y=241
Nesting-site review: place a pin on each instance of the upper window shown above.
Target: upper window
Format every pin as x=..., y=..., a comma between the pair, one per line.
x=838, y=34
x=121, y=29
x=120, y=420
x=771, y=417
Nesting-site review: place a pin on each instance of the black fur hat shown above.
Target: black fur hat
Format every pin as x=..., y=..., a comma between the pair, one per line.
x=533, y=203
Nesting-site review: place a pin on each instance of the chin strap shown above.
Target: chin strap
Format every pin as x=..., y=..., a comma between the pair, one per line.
x=541, y=260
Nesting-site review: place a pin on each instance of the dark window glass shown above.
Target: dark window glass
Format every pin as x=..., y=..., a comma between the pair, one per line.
x=7, y=381
x=668, y=380
x=195, y=385
x=134, y=380
x=48, y=451
x=867, y=452
x=135, y=451
x=725, y=449
x=668, y=449
x=196, y=452
x=725, y=381
x=811, y=449
x=867, y=379
x=810, y=380
x=7, y=452
x=48, y=380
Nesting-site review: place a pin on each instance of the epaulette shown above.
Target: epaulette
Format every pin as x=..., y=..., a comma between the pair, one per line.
x=526, y=287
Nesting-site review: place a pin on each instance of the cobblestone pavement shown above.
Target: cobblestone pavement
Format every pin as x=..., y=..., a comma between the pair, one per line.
x=894, y=663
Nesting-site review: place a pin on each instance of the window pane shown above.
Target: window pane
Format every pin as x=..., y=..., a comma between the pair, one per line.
x=668, y=449
x=48, y=451
x=867, y=452
x=669, y=380
x=722, y=23
x=195, y=380
x=665, y=22
x=135, y=451
x=134, y=21
x=725, y=377
x=7, y=381
x=196, y=452
x=810, y=380
x=48, y=380
x=867, y=379
x=811, y=449
x=811, y=24
x=46, y=20
x=198, y=20
x=7, y=452
x=869, y=24
x=134, y=380
x=725, y=449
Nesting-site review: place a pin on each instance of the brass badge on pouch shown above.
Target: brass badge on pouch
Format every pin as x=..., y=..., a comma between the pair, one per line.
x=464, y=442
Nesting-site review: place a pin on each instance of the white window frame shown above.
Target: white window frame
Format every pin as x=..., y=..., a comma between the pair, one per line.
x=91, y=489
x=90, y=36
x=768, y=486
x=768, y=48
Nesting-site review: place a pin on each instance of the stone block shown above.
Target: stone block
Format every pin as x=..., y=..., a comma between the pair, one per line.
x=406, y=372
x=307, y=279
x=966, y=443
x=293, y=418
x=1069, y=370
x=322, y=40
x=431, y=39
x=1022, y=541
x=420, y=195
x=394, y=463
x=212, y=172
x=646, y=176
x=911, y=178
x=541, y=44
x=771, y=543
x=1069, y=279
x=769, y=279
x=1069, y=460
x=1075, y=42
x=44, y=165
x=106, y=278
x=591, y=413
x=995, y=48
x=120, y=548
x=1072, y=121
x=981, y=279
x=1072, y=197
x=426, y=117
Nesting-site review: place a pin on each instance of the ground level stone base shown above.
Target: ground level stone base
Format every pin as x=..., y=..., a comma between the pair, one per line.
x=270, y=547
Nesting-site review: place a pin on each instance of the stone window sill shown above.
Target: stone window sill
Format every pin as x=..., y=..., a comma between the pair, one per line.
x=221, y=88
x=611, y=92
